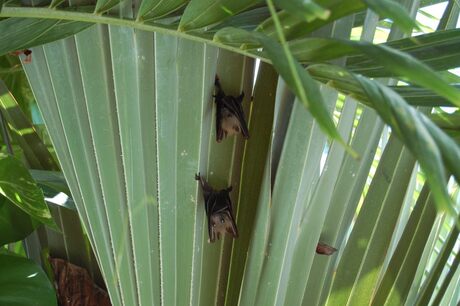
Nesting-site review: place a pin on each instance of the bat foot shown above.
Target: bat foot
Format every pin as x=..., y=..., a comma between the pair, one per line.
x=197, y=176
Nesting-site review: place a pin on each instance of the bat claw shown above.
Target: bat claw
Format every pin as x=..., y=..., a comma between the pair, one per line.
x=197, y=176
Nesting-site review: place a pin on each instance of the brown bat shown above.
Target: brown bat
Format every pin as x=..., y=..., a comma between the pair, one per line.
x=324, y=249
x=219, y=210
x=229, y=114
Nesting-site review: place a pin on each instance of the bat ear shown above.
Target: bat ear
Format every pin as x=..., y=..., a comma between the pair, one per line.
x=229, y=189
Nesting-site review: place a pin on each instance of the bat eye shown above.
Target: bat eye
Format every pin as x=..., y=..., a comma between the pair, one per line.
x=222, y=220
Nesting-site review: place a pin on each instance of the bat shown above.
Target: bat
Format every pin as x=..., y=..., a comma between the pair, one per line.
x=219, y=210
x=324, y=249
x=26, y=52
x=229, y=114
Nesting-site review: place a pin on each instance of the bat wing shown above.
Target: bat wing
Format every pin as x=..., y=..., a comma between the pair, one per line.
x=211, y=202
x=224, y=208
x=219, y=118
x=231, y=228
x=233, y=105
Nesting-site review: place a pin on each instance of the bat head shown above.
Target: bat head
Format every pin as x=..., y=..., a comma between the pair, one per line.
x=221, y=223
x=230, y=123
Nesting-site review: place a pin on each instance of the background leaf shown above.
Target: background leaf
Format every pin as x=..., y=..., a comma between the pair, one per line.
x=307, y=10
x=19, y=187
x=24, y=133
x=15, y=224
x=24, y=283
x=395, y=11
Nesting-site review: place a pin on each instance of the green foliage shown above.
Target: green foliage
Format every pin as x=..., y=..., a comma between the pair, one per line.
x=24, y=133
x=18, y=186
x=15, y=224
x=23, y=283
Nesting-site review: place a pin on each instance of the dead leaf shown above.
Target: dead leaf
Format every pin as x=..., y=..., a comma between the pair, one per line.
x=75, y=287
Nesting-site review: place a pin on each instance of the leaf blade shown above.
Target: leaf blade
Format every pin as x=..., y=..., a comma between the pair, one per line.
x=395, y=11
x=23, y=33
x=18, y=186
x=23, y=283
x=200, y=13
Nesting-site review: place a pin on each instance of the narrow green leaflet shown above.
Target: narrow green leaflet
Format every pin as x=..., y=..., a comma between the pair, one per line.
x=445, y=283
x=158, y=8
x=105, y=5
x=200, y=13
x=449, y=121
x=361, y=263
x=406, y=123
x=248, y=20
x=23, y=283
x=395, y=11
x=342, y=81
x=415, y=95
x=298, y=79
x=296, y=27
x=428, y=288
x=236, y=37
x=314, y=49
x=15, y=224
x=397, y=280
x=399, y=63
x=252, y=173
x=449, y=148
x=303, y=85
x=18, y=186
x=22, y=33
x=438, y=50
x=307, y=10
x=321, y=49
x=259, y=244
x=24, y=133
x=412, y=70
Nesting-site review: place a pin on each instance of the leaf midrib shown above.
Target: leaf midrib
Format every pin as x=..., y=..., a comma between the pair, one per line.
x=46, y=13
